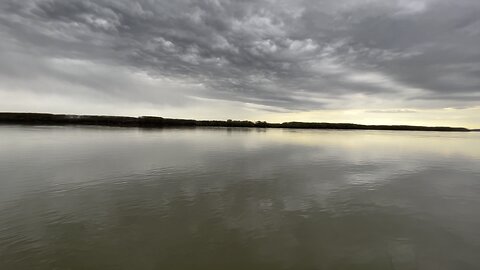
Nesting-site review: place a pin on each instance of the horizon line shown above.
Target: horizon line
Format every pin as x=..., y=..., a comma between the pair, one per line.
x=158, y=121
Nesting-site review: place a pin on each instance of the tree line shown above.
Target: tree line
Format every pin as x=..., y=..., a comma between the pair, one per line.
x=158, y=122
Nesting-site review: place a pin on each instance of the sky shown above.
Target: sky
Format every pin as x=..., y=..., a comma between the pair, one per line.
x=361, y=61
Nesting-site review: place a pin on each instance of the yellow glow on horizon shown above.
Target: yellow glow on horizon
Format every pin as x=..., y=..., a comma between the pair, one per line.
x=469, y=117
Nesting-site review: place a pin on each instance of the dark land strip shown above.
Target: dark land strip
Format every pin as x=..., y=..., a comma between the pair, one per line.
x=160, y=122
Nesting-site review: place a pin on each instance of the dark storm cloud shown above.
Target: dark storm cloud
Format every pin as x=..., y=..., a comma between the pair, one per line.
x=292, y=54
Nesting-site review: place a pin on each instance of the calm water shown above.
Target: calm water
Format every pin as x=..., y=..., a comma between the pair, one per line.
x=108, y=198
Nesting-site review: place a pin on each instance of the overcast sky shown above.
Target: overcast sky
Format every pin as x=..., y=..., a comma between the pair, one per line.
x=363, y=61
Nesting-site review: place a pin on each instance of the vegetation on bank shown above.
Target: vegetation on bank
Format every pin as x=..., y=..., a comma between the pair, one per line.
x=159, y=122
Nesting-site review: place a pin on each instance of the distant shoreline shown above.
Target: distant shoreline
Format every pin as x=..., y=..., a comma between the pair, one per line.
x=160, y=122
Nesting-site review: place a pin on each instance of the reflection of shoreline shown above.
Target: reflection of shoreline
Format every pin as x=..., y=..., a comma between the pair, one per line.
x=158, y=122
x=301, y=198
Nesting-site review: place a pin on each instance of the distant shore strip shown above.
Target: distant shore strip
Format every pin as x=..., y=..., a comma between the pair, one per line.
x=160, y=122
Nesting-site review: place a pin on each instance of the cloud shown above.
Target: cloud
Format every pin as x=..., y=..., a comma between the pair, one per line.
x=392, y=111
x=294, y=55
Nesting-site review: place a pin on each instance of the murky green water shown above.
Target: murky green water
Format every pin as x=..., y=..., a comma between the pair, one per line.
x=106, y=198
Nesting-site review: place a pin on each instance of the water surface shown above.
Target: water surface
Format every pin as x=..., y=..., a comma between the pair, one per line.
x=113, y=198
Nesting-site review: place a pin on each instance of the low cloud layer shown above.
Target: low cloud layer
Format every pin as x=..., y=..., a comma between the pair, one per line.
x=274, y=56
